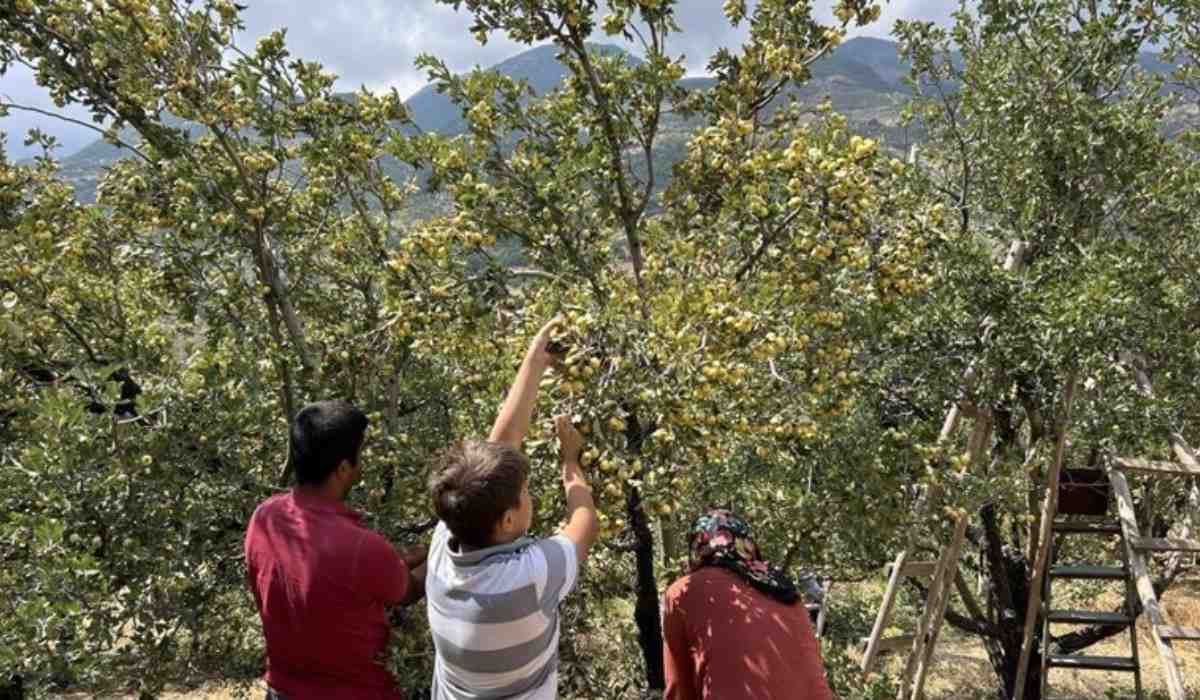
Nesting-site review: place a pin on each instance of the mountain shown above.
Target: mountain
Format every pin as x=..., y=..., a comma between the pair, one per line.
x=857, y=76
x=433, y=111
x=863, y=79
x=84, y=168
x=880, y=56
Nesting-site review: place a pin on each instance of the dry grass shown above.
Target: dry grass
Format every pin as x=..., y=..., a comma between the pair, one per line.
x=961, y=670
x=258, y=690
x=212, y=691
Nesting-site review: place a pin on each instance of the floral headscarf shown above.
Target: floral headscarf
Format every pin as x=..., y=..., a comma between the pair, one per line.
x=720, y=538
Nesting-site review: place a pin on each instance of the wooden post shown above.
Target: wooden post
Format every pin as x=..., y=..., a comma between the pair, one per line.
x=885, y=613
x=1049, y=509
x=1145, y=587
x=823, y=612
x=935, y=611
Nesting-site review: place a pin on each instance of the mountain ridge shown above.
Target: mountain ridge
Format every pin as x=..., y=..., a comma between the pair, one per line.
x=864, y=79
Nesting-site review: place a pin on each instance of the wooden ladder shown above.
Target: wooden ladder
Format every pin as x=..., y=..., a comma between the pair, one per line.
x=944, y=574
x=1138, y=547
x=944, y=570
x=922, y=642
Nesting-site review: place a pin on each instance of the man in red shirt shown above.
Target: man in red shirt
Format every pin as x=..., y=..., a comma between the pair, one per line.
x=323, y=581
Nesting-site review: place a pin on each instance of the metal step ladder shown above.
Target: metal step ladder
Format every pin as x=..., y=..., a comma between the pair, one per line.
x=1103, y=528
x=1134, y=572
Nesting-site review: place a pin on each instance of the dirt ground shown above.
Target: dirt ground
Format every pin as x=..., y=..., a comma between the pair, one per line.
x=961, y=670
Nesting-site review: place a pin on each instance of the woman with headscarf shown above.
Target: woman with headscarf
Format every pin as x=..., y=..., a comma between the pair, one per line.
x=735, y=627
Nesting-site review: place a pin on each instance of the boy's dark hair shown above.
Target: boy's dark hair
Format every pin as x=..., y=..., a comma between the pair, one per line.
x=322, y=435
x=473, y=484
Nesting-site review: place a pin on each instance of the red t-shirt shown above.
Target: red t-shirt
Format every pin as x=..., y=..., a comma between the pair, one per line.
x=321, y=581
x=725, y=640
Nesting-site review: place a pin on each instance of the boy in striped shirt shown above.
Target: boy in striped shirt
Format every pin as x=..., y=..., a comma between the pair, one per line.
x=493, y=592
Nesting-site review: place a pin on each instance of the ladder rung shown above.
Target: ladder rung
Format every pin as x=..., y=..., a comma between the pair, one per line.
x=1088, y=527
x=1088, y=572
x=1154, y=466
x=888, y=644
x=918, y=569
x=1165, y=544
x=1174, y=632
x=1088, y=617
x=1096, y=663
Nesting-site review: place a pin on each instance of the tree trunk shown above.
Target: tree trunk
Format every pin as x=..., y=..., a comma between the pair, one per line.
x=13, y=689
x=646, y=610
x=1007, y=671
x=1008, y=594
x=1011, y=637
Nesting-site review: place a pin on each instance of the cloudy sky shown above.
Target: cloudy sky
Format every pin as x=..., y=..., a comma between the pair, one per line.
x=374, y=43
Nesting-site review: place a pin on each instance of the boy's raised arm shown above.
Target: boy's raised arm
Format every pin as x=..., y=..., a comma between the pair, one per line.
x=513, y=421
x=583, y=525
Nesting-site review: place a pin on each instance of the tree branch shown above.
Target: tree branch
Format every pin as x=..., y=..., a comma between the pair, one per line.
x=958, y=620
x=78, y=122
x=630, y=213
x=417, y=528
x=970, y=625
x=766, y=243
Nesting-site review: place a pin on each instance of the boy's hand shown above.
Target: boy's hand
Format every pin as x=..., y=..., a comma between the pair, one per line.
x=517, y=410
x=542, y=351
x=414, y=555
x=570, y=444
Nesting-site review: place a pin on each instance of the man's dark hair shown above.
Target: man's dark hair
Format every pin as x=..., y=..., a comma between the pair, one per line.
x=322, y=435
x=474, y=483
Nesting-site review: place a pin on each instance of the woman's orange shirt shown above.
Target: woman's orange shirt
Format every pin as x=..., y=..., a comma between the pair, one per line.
x=725, y=640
